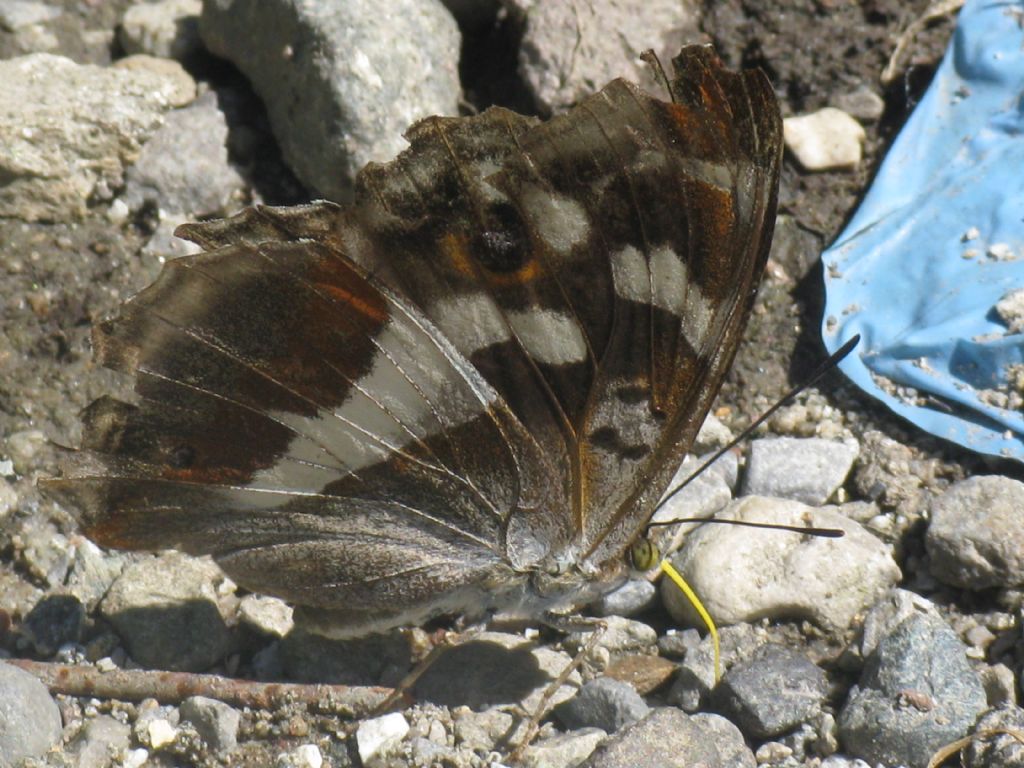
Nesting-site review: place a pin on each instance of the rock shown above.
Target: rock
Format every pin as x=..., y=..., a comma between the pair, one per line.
x=771, y=693
x=703, y=496
x=633, y=597
x=24, y=446
x=621, y=636
x=166, y=611
x=602, y=703
x=916, y=694
x=862, y=103
x=494, y=669
x=305, y=756
x=711, y=436
x=824, y=140
x=214, y=721
x=168, y=29
x=373, y=735
x=825, y=580
x=733, y=751
x=100, y=743
x=183, y=169
x=30, y=722
x=676, y=643
x=809, y=469
x=568, y=51
x=566, y=750
x=895, y=607
x=16, y=14
x=8, y=498
x=267, y=615
x=92, y=571
x=974, y=538
x=181, y=88
x=668, y=738
x=696, y=675
x=482, y=731
x=52, y=622
x=339, y=85
x=998, y=750
x=644, y=672
x=1000, y=685
x=68, y=130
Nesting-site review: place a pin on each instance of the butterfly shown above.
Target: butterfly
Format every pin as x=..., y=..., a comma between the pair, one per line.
x=467, y=390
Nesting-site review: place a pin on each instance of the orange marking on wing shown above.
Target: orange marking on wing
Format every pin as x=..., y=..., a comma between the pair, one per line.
x=369, y=307
x=456, y=249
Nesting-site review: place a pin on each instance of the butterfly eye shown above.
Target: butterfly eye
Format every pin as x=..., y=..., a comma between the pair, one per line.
x=643, y=555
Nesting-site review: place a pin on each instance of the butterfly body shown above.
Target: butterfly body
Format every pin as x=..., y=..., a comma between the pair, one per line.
x=467, y=390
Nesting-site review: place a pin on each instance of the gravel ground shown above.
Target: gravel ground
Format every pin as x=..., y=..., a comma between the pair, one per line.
x=881, y=646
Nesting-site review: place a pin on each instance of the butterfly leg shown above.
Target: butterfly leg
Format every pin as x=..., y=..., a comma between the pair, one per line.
x=562, y=623
x=445, y=641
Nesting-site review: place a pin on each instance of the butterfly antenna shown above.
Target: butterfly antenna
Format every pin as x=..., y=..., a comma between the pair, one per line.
x=823, y=368
x=650, y=58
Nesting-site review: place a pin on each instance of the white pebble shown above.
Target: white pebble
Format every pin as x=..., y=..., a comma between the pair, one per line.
x=372, y=735
x=161, y=733
x=826, y=139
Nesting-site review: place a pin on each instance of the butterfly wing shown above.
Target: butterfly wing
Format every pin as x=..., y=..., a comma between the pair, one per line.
x=495, y=357
x=598, y=273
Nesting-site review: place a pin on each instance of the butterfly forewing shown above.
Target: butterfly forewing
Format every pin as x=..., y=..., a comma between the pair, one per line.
x=490, y=364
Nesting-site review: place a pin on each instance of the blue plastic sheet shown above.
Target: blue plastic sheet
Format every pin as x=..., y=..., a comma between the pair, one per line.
x=938, y=242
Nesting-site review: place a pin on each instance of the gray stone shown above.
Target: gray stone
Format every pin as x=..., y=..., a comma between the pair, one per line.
x=29, y=719
x=665, y=738
x=696, y=675
x=168, y=29
x=341, y=81
x=633, y=597
x=569, y=50
x=15, y=14
x=733, y=751
x=772, y=692
x=92, y=571
x=482, y=731
x=703, y=496
x=267, y=615
x=52, y=622
x=1000, y=685
x=801, y=469
x=895, y=607
x=974, y=538
x=68, y=130
x=23, y=447
x=166, y=611
x=602, y=703
x=862, y=103
x=566, y=750
x=214, y=721
x=621, y=636
x=183, y=169
x=100, y=743
x=997, y=750
x=826, y=580
x=916, y=694
x=676, y=643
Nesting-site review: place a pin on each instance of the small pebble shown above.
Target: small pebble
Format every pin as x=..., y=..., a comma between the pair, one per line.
x=809, y=470
x=825, y=140
x=372, y=735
